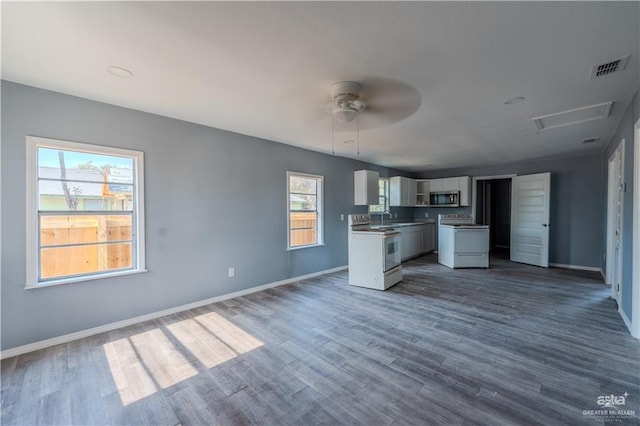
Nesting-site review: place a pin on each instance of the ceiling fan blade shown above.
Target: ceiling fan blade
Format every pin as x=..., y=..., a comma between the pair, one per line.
x=388, y=102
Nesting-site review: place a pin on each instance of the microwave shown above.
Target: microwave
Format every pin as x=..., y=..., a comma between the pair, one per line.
x=444, y=199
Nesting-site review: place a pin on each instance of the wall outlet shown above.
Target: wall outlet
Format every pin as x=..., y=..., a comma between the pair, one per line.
x=341, y=218
x=426, y=215
x=232, y=272
x=395, y=215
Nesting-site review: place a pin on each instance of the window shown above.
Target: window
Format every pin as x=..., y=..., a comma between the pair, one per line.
x=383, y=197
x=85, y=212
x=304, y=205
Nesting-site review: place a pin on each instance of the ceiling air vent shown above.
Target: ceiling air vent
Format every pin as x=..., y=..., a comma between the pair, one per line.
x=609, y=67
x=573, y=116
x=589, y=140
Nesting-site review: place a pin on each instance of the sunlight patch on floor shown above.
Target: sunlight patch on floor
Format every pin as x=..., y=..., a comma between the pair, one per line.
x=146, y=362
x=235, y=337
x=206, y=347
x=131, y=378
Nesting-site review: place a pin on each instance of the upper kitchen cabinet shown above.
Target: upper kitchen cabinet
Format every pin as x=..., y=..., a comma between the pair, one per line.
x=402, y=191
x=365, y=187
x=445, y=185
x=423, y=188
x=465, y=193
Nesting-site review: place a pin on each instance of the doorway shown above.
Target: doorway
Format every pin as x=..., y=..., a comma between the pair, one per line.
x=493, y=208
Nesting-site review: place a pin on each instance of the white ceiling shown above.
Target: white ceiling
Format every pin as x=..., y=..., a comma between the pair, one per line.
x=436, y=75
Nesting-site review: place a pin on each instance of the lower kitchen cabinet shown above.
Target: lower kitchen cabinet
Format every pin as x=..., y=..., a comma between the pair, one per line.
x=407, y=245
x=417, y=239
x=429, y=238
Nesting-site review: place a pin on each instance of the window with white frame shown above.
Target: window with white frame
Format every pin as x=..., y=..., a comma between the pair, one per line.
x=85, y=211
x=304, y=210
x=383, y=197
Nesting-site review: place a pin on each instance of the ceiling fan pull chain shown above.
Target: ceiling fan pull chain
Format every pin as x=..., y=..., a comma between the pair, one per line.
x=333, y=135
x=358, y=132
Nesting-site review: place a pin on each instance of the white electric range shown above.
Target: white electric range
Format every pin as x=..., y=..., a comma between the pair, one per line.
x=462, y=243
x=374, y=254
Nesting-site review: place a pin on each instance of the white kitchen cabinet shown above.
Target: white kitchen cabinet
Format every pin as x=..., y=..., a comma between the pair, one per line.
x=429, y=237
x=436, y=185
x=445, y=185
x=402, y=191
x=417, y=239
x=464, y=185
x=451, y=184
x=423, y=188
x=365, y=187
x=407, y=244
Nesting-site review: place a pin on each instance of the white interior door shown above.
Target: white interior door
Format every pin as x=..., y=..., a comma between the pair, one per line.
x=530, y=199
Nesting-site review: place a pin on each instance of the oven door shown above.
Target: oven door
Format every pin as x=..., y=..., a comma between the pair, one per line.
x=391, y=251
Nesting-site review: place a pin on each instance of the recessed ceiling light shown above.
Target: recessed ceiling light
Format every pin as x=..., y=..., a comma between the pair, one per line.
x=349, y=141
x=514, y=100
x=120, y=72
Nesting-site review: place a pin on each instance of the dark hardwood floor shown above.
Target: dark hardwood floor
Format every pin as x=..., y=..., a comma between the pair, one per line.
x=511, y=345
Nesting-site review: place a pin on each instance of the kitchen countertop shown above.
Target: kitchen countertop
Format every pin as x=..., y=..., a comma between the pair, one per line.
x=402, y=224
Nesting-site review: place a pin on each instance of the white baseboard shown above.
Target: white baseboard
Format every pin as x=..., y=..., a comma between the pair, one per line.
x=19, y=350
x=578, y=267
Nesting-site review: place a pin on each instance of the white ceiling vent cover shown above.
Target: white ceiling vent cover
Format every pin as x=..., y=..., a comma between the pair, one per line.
x=573, y=116
x=609, y=67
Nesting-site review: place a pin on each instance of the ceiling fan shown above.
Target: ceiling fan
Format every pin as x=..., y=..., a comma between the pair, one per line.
x=388, y=102
x=347, y=106
x=375, y=102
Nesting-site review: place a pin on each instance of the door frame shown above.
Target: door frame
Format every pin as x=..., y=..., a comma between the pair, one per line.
x=635, y=292
x=610, y=220
x=612, y=192
x=474, y=189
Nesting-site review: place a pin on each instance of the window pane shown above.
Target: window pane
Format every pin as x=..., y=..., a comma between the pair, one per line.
x=84, y=196
x=57, y=230
x=56, y=262
x=302, y=237
x=301, y=220
x=84, y=166
x=302, y=185
x=302, y=202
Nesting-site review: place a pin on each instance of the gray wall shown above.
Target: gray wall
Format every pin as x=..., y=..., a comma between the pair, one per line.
x=214, y=199
x=625, y=131
x=577, y=188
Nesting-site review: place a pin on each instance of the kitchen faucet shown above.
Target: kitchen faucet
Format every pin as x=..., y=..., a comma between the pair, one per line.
x=382, y=217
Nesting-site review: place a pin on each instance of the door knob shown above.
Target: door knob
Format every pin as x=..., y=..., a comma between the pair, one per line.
x=545, y=225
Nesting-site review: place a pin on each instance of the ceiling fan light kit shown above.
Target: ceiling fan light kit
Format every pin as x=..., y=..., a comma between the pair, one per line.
x=344, y=114
x=346, y=103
